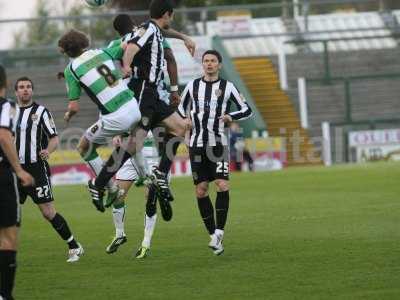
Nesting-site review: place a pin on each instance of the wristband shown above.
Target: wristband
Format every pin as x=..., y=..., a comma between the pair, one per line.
x=173, y=88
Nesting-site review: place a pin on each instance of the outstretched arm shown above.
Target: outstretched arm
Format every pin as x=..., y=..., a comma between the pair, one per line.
x=189, y=43
x=173, y=76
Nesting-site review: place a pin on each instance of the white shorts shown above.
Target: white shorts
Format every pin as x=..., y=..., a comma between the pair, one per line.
x=119, y=122
x=128, y=170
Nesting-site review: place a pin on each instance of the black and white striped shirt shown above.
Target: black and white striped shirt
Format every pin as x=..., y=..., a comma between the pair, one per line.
x=148, y=63
x=8, y=116
x=35, y=127
x=206, y=102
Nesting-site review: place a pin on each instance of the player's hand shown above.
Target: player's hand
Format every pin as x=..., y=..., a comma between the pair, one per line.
x=190, y=45
x=26, y=178
x=226, y=119
x=126, y=71
x=174, y=98
x=117, y=141
x=44, y=154
x=67, y=117
x=188, y=124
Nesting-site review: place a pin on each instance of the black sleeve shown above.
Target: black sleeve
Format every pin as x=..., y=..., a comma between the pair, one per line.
x=48, y=124
x=244, y=111
x=185, y=100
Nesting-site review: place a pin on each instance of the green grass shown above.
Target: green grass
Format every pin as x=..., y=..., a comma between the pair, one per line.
x=303, y=233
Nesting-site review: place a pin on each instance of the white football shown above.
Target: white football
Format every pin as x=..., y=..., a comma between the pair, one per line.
x=96, y=3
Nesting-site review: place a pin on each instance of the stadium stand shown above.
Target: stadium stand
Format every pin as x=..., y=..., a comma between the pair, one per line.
x=246, y=46
x=351, y=25
x=375, y=98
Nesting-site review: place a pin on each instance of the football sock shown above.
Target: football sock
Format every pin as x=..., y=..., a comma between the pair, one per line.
x=221, y=208
x=169, y=149
x=61, y=226
x=149, y=225
x=8, y=266
x=96, y=164
x=118, y=213
x=207, y=213
x=118, y=157
x=151, y=204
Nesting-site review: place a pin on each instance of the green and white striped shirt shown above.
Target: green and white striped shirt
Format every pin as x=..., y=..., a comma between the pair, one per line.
x=96, y=73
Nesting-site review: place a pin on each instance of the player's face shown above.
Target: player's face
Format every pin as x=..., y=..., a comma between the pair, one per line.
x=24, y=91
x=168, y=18
x=211, y=65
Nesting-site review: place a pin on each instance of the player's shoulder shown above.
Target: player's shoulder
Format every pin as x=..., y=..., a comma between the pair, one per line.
x=230, y=85
x=4, y=102
x=40, y=108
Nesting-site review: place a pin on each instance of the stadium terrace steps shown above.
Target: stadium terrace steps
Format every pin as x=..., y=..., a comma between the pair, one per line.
x=370, y=99
x=276, y=108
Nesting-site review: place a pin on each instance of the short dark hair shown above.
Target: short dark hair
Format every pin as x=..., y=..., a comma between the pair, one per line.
x=213, y=52
x=3, y=78
x=159, y=7
x=23, y=78
x=73, y=43
x=123, y=24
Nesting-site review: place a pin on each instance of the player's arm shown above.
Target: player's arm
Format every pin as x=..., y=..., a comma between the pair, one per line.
x=8, y=147
x=51, y=132
x=184, y=106
x=74, y=93
x=129, y=53
x=172, y=69
x=73, y=109
x=244, y=111
x=189, y=43
x=134, y=44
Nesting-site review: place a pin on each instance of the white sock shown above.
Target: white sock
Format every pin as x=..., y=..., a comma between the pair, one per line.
x=149, y=225
x=119, y=218
x=96, y=165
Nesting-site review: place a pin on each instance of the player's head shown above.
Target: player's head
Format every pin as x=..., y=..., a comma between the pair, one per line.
x=212, y=62
x=3, y=81
x=123, y=24
x=24, y=90
x=163, y=11
x=73, y=43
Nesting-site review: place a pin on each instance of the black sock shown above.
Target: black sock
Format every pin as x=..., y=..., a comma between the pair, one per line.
x=8, y=266
x=221, y=209
x=118, y=157
x=151, y=204
x=207, y=213
x=61, y=226
x=168, y=152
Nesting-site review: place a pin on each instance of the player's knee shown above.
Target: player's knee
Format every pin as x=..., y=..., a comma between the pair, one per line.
x=181, y=128
x=8, y=244
x=9, y=239
x=222, y=185
x=48, y=213
x=201, y=190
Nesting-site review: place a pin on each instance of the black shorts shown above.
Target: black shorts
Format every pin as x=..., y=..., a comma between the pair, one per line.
x=209, y=163
x=42, y=191
x=9, y=199
x=152, y=108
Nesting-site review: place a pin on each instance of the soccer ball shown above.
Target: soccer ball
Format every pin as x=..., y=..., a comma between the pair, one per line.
x=96, y=3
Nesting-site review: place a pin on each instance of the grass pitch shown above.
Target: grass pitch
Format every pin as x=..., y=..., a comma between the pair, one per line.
x=303, y=233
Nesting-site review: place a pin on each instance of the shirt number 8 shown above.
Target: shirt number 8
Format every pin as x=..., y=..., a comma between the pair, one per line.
x=105, y=71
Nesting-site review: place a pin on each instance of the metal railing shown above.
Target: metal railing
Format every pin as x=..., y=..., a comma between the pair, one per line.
x=187, y=19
